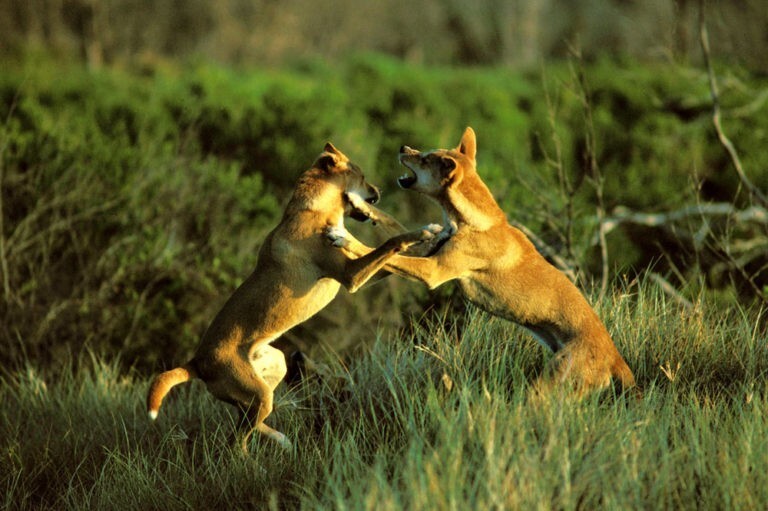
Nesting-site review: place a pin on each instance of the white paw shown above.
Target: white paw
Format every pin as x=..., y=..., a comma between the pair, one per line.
x=429, y=232
x=337, y=236
x=283, y=441
x=446, y=233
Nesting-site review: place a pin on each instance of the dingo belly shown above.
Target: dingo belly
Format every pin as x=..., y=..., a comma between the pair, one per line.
x=319, y=296
x=288, y=306
x=486, y=298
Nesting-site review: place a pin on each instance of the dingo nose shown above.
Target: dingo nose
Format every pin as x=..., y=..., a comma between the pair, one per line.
x=405, y=149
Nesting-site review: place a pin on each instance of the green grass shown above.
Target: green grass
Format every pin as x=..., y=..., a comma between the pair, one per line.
x=386, y=433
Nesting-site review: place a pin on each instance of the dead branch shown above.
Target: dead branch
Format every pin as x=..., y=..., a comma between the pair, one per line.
x=622, y=215
x=670, y=290
x=595, y=175
x=3, y=256
x=693, y=227
x=713, y=90
x=567, y=188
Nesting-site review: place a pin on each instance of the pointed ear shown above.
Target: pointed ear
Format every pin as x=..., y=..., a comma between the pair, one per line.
x=330, y=149
x=468, y=144
x=326, y=161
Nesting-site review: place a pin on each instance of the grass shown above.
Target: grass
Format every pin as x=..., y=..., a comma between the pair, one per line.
x=434, y=419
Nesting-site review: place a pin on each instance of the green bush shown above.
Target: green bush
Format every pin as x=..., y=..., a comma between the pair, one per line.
x=134, y=203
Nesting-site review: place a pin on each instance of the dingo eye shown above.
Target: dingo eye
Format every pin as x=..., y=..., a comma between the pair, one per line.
x=448, y=163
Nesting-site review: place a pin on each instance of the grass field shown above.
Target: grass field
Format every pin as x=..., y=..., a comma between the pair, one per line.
x=132, y=202
x=386, y=432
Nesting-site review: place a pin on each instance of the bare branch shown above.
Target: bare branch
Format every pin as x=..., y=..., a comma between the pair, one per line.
x=594, y=171
x=670, y=290
x=622, y=215
x=724, y=140
x=3, y=258
x=692, y=228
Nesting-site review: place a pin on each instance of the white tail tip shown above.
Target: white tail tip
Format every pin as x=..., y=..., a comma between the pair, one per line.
x=152, y=415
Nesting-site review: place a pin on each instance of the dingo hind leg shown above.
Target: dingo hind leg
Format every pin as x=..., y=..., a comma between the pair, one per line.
x=253, y=395
x=558, y=377
x=580, y=368
x=269, y=365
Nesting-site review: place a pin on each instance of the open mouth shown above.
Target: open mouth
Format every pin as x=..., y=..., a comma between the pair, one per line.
x=359, y=215
x=407, y=180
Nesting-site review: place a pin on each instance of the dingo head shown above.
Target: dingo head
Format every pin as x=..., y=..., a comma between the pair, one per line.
x=449, y=177
x=357, y=192
x=438, y=170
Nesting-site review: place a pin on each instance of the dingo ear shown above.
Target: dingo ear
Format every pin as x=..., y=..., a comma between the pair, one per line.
x=468, y=144
x=329, y=148
x=453, y=172
x=326, y=161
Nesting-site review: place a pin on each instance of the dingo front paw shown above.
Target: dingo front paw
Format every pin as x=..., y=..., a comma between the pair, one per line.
x=433, y=230
x=337, y=236
x=430, y=232
x=283, y=441
x=415, y=237
x=427, y=234
x=445, y=232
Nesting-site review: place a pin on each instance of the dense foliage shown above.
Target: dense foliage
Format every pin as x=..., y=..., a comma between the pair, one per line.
x=133, y=202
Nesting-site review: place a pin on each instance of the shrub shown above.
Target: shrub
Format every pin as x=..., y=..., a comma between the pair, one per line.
x=133, y=204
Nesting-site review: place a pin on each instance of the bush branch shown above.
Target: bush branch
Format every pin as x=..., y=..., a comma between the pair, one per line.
x=713, y=90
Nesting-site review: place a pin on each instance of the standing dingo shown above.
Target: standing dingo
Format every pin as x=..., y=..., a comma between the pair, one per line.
x=297, y=274
x=499, y=270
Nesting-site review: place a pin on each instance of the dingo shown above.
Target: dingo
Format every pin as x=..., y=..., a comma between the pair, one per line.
x=499, y=270
x=296, y=275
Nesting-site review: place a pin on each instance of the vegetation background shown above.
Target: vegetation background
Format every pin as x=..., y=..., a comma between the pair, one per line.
x=146, y=148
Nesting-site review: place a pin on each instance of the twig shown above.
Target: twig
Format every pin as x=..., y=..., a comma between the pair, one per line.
x=567, y=188
x=724, y=140
x=745, y=252
x=622, y=215
x=23, y=244
x=670, y=290
x=139, y=307
x=595, y=173
x=751, y=108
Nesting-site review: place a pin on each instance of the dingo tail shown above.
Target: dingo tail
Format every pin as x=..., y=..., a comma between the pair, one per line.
x=163, y=383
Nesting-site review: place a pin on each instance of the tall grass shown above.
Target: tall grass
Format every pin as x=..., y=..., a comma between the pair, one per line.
x=436, y=418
